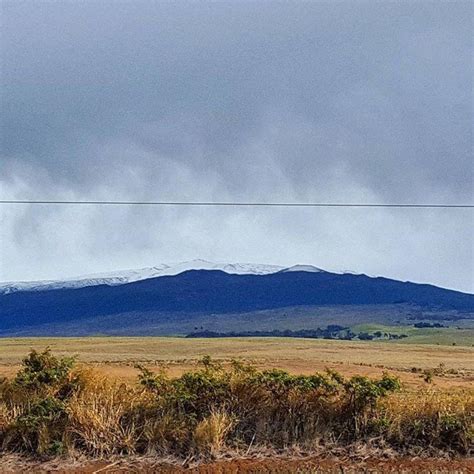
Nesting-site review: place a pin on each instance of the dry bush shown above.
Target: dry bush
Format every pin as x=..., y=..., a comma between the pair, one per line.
x=164, y=434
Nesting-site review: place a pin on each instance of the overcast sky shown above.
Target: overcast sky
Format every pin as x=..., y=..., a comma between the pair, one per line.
x=265, y=101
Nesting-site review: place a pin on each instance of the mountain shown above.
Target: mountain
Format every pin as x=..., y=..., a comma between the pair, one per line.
x=215, y=292
x=128, y=276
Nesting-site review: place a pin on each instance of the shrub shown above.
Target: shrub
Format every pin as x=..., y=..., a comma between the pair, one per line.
x=36, y=401
x=44, y=374
x=362, y=395
x=41, y=427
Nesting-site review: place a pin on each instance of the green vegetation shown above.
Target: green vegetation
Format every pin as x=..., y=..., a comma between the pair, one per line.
x=420, y=333
x=52, y=407
x=442, y=336
x=332, y=331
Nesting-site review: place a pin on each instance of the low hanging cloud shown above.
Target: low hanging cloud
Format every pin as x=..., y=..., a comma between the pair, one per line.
x=334, y=102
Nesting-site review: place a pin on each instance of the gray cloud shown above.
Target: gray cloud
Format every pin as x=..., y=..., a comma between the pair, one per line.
x=342, y=101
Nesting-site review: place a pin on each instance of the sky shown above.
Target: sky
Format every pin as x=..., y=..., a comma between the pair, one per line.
x=361, y=101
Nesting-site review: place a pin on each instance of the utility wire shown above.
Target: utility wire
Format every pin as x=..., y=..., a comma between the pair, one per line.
x=240, y=204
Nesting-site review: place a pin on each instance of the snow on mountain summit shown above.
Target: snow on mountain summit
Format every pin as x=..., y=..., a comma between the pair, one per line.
x=129, y=276
x=303, y=268
x=232, y=268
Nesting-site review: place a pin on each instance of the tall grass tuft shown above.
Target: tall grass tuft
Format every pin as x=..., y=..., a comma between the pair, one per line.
x=210, y=433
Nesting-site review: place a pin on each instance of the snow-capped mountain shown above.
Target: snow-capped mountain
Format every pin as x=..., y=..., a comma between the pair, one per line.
x=140, y=307
x=121, y=277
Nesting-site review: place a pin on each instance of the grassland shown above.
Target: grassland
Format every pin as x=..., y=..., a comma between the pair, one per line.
x=137, y=401
x=53, y=407
x=117, y=356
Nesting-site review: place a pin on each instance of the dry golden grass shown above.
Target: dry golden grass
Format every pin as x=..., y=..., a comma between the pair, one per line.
x=52, y=407
x=95, y=416
x=210, y=433
x=116, y=356
x=433, y=410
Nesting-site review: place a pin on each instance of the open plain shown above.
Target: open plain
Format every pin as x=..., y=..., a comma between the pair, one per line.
x=436, y=383
x=117, y=356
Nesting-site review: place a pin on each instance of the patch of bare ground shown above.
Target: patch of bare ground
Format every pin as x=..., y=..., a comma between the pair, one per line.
x=263, y=463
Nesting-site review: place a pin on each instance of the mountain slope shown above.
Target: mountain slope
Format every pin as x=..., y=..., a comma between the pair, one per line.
x=204, y=291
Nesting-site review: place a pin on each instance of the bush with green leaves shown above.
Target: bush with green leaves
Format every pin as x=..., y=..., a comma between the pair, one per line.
x=42, y=372
x=39, y=395
x=361, y=398
x=270, y=405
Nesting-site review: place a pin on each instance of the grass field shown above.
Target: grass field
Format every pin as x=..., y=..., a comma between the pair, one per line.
x=381, y=405
x=117, y=355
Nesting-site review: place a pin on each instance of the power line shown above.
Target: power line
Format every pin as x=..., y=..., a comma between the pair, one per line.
x=241, y=204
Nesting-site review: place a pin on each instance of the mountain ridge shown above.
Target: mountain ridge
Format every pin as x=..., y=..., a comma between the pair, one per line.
x=217, y=292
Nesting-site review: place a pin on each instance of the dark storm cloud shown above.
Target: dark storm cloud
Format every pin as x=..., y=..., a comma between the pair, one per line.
x=339, y=101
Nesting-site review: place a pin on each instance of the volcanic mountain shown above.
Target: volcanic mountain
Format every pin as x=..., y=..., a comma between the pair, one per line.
x=141, y=301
